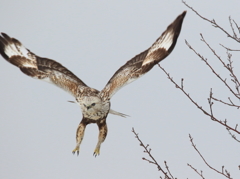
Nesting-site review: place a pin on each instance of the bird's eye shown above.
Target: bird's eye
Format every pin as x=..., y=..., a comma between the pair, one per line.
x=93, y=104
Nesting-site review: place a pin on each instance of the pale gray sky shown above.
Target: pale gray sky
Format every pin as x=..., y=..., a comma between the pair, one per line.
x=93, y=39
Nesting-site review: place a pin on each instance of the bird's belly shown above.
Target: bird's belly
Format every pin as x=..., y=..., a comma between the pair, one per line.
x=94, y=116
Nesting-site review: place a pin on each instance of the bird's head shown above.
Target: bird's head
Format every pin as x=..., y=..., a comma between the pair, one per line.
x=93, y=107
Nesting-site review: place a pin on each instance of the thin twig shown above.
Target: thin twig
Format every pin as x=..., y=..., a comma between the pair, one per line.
x=224, y=173
x=229, y=49
x=167, y=167
x=196, y=104
x=232, y=135
x=200, y=174
x=206, y=62
x=213, y=22
x=210, y=103
x=233, y=30
x=152, y=161
x=236, y=25
x=232, y=104
x=232, y=74
x=229, y=67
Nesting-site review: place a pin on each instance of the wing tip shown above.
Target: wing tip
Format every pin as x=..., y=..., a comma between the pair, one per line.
x=176, y=26
x=3, y=43
x=181, y=16
x=165, y=43
x=5, y=35
x=184, y=13
x=178, y=21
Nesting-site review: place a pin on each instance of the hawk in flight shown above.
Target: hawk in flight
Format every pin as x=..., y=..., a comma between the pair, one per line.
x=95, y=105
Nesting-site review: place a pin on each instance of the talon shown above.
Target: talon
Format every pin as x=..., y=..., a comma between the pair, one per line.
x=76, y=150
x=96, y=152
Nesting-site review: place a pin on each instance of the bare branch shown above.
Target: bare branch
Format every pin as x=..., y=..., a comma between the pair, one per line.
x=213, y=22
x=229, y=49
x=206, y=62
x=232, y=74
x=167, y=167
x=234, y=33
x=199, y=173
x=224, y=123
x=232, y=135
x=210, y=103
x=236, y=26
x=152, y=160
x=224, y=173
x=229, y=104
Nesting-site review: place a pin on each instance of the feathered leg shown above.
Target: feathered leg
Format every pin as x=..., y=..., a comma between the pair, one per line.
x=79, y=136
x=101, y=136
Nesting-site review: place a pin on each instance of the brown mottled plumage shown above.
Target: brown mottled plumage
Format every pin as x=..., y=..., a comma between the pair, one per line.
x=95, y=105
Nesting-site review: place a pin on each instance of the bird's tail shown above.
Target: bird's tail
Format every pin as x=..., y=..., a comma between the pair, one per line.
x=118, y=113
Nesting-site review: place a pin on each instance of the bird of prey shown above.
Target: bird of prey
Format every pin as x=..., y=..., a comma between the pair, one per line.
x=95, y=105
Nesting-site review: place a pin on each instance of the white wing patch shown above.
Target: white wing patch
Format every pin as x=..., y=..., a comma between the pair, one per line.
x=164, y=41
x=167, y=40
x=14, y=49
x=37, y=67
x=144, y=62
x=17, y=49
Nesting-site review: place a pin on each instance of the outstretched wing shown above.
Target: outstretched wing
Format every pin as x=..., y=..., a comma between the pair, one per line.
x=37, y=67
x=143, y=62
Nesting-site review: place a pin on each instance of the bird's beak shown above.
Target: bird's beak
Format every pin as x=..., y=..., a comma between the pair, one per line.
x=88, y=107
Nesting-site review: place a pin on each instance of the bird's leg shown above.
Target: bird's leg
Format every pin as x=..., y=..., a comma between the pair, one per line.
x=79, y=136
x=101, y=136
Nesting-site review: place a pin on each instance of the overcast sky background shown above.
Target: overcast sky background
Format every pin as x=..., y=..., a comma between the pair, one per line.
x=93, y=39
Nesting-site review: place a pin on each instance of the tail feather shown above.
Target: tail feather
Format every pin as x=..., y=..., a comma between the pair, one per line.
x=118, y=113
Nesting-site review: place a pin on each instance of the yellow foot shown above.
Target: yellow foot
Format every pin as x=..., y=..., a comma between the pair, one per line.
x=96, y=152
x=76, y=150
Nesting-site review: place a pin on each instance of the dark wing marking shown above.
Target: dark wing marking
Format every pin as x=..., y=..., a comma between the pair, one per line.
x=143, y=62
x=37, y=67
